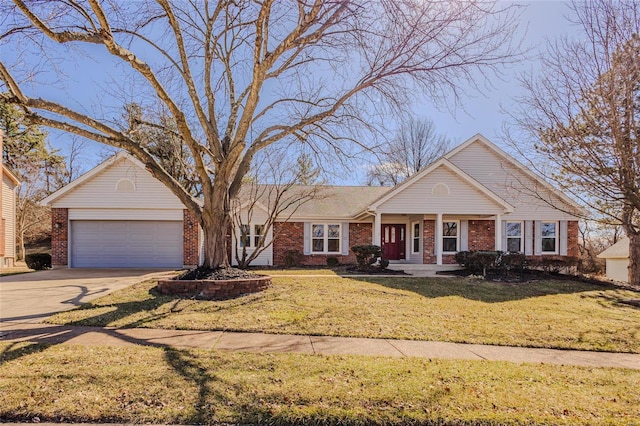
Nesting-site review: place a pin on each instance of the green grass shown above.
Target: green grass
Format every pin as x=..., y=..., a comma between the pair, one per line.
x=550, y=314
x=169, y=386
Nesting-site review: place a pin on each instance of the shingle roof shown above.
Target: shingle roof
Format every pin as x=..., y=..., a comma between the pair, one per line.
x=331, y=201
x=619, y=250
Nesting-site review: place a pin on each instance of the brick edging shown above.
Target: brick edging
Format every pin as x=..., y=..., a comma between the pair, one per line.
x=214, y=289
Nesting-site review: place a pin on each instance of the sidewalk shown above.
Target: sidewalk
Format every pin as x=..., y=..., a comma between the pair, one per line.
x=325, y=345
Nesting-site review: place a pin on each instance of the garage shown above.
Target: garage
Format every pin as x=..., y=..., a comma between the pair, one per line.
x=125, y=244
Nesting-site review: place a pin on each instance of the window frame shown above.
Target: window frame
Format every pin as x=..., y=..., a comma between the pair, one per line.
x=252, y=235
x=520, y=237
x=556, y=237
x=415, y=236
x=457, y=237
x=325, y=238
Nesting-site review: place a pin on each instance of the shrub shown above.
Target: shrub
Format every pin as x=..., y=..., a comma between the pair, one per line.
x=366, y=255
x=292, y=258
x=496, y=262
x=384, y=264
x=555, y=264
x=332, y=262
x=38, y=261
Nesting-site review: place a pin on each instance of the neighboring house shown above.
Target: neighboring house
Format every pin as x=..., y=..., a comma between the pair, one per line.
x=617, y=260
x=7, y=215
x=476, y=197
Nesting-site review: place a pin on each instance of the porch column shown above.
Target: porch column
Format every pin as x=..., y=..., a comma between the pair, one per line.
x=438, y=239
x=498, y=244
x=377, y=229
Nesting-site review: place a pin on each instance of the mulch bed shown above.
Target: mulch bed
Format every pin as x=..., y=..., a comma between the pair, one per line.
x=202, y=273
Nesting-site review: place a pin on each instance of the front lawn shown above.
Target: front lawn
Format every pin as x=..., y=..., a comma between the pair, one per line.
x=549, y=314
x=139, y=385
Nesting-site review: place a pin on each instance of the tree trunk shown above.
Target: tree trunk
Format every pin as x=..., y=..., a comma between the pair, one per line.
x=634, y=259
x=216, y=225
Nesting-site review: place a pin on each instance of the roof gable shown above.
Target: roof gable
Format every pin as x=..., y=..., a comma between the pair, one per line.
x=619, y=250
x=474, y=154
x=119, y=182
x=445, y=171
x=9, y=174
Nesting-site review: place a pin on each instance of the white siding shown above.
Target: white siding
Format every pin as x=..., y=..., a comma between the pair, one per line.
x=511, y=184
x=9, y=215
x=100, y=191
x=617, y=269
x=125, y=214
x=462, y=198
x=257, y=217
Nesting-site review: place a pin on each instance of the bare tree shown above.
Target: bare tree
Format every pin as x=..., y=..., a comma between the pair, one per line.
x=276, y=191
x=415, y=146
x=239, y=76
x=582, y=115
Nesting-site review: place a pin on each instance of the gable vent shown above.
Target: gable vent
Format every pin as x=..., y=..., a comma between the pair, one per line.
x=440, y=189
x=125, y=185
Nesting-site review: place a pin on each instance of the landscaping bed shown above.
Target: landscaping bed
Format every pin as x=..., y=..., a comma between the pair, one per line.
x=214, y=284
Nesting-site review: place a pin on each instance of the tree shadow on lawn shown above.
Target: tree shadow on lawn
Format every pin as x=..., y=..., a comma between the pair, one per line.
x=485, y=290
x=119, y=311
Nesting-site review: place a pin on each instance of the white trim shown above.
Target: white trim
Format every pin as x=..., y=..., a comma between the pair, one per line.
x=126, y=214
x=414, y=236
x=508, y=208
x=326, y=238
x=497, y=243
x=438, y=241
x=521, y=237
x=442, y=236
x=556, y=237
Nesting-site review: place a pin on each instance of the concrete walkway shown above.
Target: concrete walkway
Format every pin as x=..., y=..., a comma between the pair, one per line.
x=259, y=342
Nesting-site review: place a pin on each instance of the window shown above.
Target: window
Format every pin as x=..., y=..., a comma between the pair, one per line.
x=549, y=237
x=416, y=238
x=245, y=236
x=449, y=237
x=514, y=237
x=247, y=239
x=257, y=233
x=325, y=238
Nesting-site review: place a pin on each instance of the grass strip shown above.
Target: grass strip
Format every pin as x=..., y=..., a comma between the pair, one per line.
x=158, y=385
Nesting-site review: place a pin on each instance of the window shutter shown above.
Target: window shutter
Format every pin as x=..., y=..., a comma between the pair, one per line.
x=307, y=238
x=537, y=243
x=528, y=237
x=563, y=238
x=464, y=235
x=504, y=235
x=345, y=238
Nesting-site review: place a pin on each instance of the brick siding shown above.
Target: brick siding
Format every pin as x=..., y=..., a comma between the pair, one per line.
x=290, y=236
x=573, y=248
x=59, y=237
x=428, y=241
x=482, y=235
x=190, y=238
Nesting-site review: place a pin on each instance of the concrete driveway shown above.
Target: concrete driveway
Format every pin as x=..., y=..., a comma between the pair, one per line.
x=31, y=297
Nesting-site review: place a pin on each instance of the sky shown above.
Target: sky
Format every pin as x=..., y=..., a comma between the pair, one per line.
x=478, y=112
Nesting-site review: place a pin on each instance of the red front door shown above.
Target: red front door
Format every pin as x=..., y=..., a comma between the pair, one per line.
x=393, y=242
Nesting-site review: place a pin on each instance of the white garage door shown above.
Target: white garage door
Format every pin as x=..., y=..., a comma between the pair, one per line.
x=126, y=244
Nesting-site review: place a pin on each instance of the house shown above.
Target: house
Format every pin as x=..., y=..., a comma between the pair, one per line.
x=617, y=260
x=476, y=197
x=7, y=215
